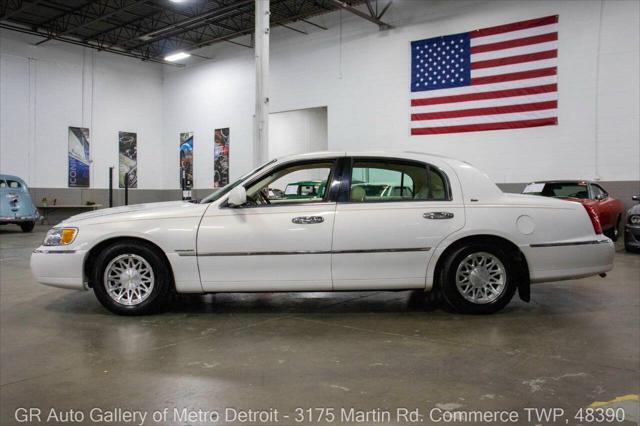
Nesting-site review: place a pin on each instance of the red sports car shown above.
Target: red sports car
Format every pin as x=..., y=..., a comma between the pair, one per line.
x=608, y=209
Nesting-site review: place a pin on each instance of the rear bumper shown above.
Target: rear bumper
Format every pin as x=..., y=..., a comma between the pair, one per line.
x=569, y=260
x=58, y=267
x=18, y=219
x=632, y=236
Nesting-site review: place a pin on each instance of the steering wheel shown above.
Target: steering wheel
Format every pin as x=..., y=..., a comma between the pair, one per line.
x=264, y=196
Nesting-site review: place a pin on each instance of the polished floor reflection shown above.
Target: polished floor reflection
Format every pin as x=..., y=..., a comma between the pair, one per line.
x=576, y=343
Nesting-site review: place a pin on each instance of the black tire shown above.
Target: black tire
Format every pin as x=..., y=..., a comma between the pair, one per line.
x=454, y=297
x=27, y=226
x=614, y=232
x=160, y=294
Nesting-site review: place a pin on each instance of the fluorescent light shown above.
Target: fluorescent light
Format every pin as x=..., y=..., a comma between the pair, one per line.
x=176, y=56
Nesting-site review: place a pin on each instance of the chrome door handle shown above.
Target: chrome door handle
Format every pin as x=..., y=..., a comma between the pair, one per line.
x=438, y=215
x=307, y=220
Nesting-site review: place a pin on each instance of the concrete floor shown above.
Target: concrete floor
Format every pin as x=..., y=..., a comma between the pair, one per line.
x=576, y=343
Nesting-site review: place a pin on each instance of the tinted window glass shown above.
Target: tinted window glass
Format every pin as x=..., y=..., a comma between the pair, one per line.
x=374, y=181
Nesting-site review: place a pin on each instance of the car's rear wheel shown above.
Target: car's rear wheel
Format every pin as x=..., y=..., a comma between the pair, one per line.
x=614, y=232
x=131, y=278
x=27, y=226
x=478, y=279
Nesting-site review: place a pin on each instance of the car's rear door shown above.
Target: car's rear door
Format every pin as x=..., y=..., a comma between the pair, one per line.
x=386, y=241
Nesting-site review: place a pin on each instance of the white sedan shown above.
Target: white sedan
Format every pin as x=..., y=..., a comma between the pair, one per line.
x=445, y=228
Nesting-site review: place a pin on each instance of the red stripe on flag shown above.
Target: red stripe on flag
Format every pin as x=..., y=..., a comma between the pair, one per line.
x=486, y=126
x=529, y=57
x=508, y=44
x=531, y=23
x=505, y=109
x=520, y=75
x=507, y=93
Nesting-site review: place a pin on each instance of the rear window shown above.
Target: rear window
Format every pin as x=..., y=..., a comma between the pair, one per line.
x=558, y=189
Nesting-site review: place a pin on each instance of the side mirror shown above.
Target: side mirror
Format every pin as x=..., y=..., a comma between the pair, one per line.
x=636, y=198
x=600, y=197
x=237, y=196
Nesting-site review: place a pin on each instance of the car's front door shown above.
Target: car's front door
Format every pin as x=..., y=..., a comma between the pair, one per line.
x=604, y=206
x=271, y=243
x=384, y=239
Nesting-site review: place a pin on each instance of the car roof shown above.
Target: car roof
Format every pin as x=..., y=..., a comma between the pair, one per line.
x=12, y=177
x=409, y=155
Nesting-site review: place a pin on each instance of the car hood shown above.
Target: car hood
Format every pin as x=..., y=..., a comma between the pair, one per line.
x=635, y=209
x=138, y=211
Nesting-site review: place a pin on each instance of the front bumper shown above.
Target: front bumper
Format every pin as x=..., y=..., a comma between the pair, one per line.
x=58, y=267
x=632, y=236
x=569, y=260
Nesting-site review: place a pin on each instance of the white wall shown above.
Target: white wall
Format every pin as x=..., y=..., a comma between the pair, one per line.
x=362, y=76
x=46, y=89
x=364, y=82
x=297, y=132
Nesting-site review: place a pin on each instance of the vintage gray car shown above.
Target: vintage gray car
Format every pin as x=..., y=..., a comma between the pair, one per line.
x=16, y=205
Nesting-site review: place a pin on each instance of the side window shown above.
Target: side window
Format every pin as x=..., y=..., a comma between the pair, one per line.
x=296, y=183
x=378, y=181
x=13, y=184
x=3, y=184
x=598, y=191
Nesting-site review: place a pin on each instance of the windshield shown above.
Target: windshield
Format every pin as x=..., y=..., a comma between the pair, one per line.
x=221, y=191
x=558, y=189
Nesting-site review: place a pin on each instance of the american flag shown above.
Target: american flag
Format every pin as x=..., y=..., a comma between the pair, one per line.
x=502, y=77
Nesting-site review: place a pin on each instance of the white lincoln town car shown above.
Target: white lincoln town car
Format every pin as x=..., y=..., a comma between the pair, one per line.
x=331, y=221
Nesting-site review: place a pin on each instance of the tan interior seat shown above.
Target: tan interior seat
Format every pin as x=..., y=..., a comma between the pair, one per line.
x=358, y=194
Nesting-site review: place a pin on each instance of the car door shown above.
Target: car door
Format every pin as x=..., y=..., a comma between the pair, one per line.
x=385, y=240
x=272, y=243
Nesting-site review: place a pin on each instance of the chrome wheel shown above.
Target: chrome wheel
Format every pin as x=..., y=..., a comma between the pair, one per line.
x=481, y=278
x=129, y=279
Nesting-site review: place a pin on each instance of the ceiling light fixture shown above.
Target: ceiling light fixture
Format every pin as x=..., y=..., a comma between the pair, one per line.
x=176, y=56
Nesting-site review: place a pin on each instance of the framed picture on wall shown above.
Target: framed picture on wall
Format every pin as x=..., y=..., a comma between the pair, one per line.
x=186, y=160
x=79, y=157
x=221, y=157
x=128, y=154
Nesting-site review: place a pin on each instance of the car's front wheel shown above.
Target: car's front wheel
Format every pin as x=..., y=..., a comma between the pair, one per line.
x=131, y=278
x=478, y=279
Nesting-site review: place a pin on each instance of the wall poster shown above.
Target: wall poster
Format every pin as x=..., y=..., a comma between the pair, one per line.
x=79, y=157
x=128, y=149
x=221, y=158
x=186, y=160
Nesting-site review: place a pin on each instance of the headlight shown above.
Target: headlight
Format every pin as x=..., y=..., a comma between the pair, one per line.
x=634, y=219
x=60, y=236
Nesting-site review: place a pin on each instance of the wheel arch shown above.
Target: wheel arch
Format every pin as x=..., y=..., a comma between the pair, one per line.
x=92, y=254
x=508, y=246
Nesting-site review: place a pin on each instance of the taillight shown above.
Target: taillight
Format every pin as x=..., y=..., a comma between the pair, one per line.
x=595, y=221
